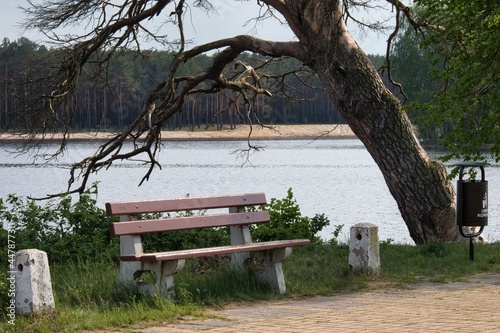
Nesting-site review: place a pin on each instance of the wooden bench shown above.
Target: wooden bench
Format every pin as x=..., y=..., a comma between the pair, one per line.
x=165, y=264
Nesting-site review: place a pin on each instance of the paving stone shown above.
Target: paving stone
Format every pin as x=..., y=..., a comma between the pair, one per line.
x=470, y=306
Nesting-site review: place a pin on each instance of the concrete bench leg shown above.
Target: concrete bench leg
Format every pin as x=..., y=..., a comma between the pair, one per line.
x=130, y=276
x=238, y=260
x=272, y=274
x=131, y=271
x=166, y=278
x=164, y=271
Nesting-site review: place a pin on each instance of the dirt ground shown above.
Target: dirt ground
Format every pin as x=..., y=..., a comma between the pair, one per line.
x=242, y=132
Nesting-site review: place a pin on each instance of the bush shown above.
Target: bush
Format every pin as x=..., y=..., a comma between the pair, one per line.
x=63, y=229
x=70, y=231
x=287, y=222
x=183, y=239
x=4, y=294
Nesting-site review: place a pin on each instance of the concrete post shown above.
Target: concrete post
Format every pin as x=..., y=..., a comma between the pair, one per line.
x=33, y=285
x=364, y=253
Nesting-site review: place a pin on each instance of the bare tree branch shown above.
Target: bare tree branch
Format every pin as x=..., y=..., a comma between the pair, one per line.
x=388, y=50
x=414, y=21
x=168, y=98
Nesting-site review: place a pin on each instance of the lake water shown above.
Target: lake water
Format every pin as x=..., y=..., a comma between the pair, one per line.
x=335, y=177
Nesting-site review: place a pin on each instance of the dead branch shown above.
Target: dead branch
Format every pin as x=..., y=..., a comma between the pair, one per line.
x=388, y=50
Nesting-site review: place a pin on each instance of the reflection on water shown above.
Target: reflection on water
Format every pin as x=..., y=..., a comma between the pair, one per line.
x=335, y=177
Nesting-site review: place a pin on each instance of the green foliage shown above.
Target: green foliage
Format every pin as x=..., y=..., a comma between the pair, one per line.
x=88, y=297
x=467, y=63
x=450, y=75
x=437, y=261
x=182, y=295
x=435, y=249
x=89, y=283
x=320, y=268
x=63, y=229
x=410, y=64
x=287, y=222
x=4, y=294
x=335, y=235
x=185, y=239
x=69, y=230
x=377, y=60
x=411, y=67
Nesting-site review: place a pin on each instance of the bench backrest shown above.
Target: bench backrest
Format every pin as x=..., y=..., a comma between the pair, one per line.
x=236, y=216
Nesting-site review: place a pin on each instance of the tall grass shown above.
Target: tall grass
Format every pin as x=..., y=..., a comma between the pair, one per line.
x=438, y=262
x=88, y=296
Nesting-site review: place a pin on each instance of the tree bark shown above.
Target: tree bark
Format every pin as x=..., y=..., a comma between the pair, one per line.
x=426, y=199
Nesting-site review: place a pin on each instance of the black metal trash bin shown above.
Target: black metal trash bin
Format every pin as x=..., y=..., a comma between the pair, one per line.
x=474, y=203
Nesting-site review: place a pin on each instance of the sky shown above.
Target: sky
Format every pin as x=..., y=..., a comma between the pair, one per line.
x=228, y=21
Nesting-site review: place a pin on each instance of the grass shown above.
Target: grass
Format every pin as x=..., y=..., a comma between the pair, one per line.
x=88, y=297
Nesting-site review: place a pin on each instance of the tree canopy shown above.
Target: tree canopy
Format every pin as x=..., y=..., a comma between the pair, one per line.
x=466, y=60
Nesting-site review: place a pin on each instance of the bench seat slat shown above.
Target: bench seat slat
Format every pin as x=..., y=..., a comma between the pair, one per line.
x=205, y=252
x=195, y=203
x=185, y=223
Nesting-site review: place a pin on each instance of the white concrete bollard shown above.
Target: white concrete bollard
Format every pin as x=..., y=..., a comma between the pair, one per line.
x=364, y=253
x=33, y=285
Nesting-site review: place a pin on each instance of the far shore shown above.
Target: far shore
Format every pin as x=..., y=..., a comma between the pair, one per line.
x=242, y=132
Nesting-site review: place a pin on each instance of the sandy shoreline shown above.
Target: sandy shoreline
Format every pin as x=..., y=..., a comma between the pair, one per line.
x=278, y=132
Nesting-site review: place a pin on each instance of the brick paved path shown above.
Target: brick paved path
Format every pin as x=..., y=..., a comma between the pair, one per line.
x=472, y=306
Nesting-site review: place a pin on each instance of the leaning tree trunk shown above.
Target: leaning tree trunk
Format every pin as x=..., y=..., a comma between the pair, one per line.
x=420, y=187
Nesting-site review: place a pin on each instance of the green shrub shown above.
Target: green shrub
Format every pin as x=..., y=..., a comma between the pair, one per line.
x=63, y=229
x=183, y=239
x=78, y=230
x=4, y=294
x=287, y=222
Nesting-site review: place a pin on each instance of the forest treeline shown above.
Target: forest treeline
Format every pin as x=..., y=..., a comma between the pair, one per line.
x=110, y=99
